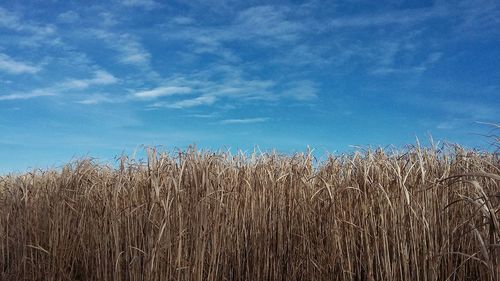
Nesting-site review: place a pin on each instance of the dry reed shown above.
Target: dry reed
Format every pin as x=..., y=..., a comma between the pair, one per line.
x=420, y=214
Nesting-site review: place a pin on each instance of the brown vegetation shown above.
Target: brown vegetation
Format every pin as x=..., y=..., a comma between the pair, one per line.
x=421, y=214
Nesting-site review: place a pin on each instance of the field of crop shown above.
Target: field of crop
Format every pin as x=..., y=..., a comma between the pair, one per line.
x=417, y=214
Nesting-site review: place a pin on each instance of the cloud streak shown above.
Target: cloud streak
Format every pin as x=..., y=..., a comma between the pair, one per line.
x=145, y=4
x=68, y=17
x=262, y=26
x=26, y=96
x=11, y=66
x=29, y=33
x=230, y=87
x=130, y=50
x=304, y=90
x=161, y=92
x=198, y=101
x=245, y=120
x=100, y=78
x=395, y=17
x=99, y=99
x=12, y=21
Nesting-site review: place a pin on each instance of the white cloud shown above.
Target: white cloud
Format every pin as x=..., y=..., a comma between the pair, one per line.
x=396, y=17
x=12, y=21
x=9, y=65
x=381, y=71
x=27, y=33
x=245, y=121
x=204, y=116
x=134, y=56
x=100, y=78
x=431, y=59
x=226, y=84
x=108, y=19
x=446, y=125
x=469, y=109
x=244, y=90
x=103, y=78
x=130, y=50
x=391, y=68
x=478, y=18
x=303, y=90
x=308, y=55
x=145, y=4
x=261, y=25
x=161, y=92
x=183, y=20
x=9, y=20
x=97, y=99
x=268, y=21
x=68, y=17
x=311, y=43
x=198, y=101
x=473, y=109
x=25, y=96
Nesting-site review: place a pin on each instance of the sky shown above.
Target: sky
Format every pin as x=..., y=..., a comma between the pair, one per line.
x=105, y=78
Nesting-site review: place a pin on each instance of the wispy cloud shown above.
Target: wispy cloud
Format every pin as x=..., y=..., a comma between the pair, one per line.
x=145, y=4
x=100, y=78
x=304, y=90
x=183, y=20
x=268, y=21
x=98, y=99
x=204, y=116
x=187, y=103
x=273, y=26
x=226, y=85
x=308, y=55
x=161, y=92
x=245, y=120
x=108, y=19
x=130, y=50
x=454, y=106
x=390, y=68
x=9, y=65
x=29, y=95
x=29, y=33
x=68, y=17
x=261, y=25
x=13, y=21
x=409, y=16
x=447, y=125
x=478, y=18
x=9, y=20
x=477, y=110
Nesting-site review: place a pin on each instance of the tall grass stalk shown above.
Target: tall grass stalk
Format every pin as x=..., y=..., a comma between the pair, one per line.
x=419, y=214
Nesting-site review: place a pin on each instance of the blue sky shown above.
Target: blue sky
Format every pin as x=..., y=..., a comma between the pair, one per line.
x=98, y=78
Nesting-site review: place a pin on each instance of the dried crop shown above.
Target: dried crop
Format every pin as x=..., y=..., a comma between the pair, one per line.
x=419, y=214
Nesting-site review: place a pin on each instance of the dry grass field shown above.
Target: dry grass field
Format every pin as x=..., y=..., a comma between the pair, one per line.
x=417, y=214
